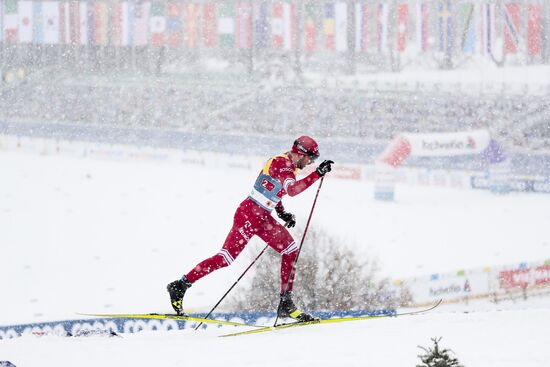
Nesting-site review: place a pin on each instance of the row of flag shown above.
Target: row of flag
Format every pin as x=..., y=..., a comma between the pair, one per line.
x=479, y=26
x=443, y=25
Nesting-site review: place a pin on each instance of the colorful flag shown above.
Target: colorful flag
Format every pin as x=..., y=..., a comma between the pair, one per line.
x=487, y=25
x=329, y=26
x=38, y=23
x=116, y=24
x=382, y=27
x=445, y=22
x=11, y=21
x=277, y=25
x=209, y=25
x=1, y=22
x=466, y=27
x=128, y=23
x=243, y=27
x=25, y=21
x=310, y=28
x=289, y=26
x=341, y=24
x=74, y=22
x=422, y=34
x=361, y=26
x=64, y=23
x=90, y=23
x=260, y=25
x=174, y=26
x=50, y=13
x=191, y=25
x=158, y=22
x=122, y=15
x=533, y=29
x=226, y=25
x=511, y=28
x=141, y=23
x=402, y=26
x=84, y=25
x=100, y=23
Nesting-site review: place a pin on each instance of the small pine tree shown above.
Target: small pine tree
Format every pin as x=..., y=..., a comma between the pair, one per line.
x=436, y=357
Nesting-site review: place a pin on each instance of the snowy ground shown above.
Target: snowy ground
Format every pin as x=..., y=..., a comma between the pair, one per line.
x=505, y=339
x=82, y=235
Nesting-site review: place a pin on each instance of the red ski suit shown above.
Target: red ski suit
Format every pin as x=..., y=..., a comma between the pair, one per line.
x=253, y=218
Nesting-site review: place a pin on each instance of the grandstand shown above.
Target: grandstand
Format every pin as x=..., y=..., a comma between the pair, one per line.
x=231, y=103
x=214, y=80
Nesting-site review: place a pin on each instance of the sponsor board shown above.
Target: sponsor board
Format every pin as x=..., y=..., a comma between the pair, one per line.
x=518, y=184
x=533, y=276
x=447, y=286
x=88, y=327
x=477, y=283
x=448, y=144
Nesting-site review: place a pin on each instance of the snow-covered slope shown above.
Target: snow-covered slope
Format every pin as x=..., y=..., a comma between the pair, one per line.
x=516, y=337
x=83, y=235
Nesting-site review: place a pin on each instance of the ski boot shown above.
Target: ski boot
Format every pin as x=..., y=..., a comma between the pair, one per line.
x=177, y=289
x=287, y=308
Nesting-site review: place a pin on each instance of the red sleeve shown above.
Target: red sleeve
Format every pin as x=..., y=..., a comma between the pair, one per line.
x=283, y=170
x=296, y=187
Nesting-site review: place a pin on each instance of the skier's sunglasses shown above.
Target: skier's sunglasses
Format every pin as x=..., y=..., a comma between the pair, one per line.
x=312, y=156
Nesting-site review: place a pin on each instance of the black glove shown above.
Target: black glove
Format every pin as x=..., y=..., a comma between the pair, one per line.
x=324, y=168
x=289, y=219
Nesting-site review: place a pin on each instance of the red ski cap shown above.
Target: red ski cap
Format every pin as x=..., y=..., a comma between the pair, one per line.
x=305, y=145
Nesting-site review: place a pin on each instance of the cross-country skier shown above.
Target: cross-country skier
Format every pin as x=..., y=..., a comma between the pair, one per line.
x=253, y=218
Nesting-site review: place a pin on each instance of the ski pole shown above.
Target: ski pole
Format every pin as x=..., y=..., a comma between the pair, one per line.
x=299, y=249
x=233, y=286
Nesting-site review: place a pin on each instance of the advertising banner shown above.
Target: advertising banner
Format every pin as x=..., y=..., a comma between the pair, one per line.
x=435, y=145
x=495, y=282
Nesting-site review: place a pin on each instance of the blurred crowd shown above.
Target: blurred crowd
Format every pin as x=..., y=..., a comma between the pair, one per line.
x=228, y=104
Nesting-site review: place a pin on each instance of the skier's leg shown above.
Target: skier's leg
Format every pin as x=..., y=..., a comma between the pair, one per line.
x=236, y=240
x=232, y=247
x=278, y=238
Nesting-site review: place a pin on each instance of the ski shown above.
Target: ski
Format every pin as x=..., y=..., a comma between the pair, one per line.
x=165, y=316
x=330, y=321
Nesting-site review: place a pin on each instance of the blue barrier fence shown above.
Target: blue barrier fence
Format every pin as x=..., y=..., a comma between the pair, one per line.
x=350, y=150
x=83, y=327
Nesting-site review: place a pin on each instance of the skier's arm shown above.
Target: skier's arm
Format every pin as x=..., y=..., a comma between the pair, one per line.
x=293, y=187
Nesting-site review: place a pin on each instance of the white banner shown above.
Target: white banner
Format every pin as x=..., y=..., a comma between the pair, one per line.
x=451, y=286
x=500, y=282
x=448, y=144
